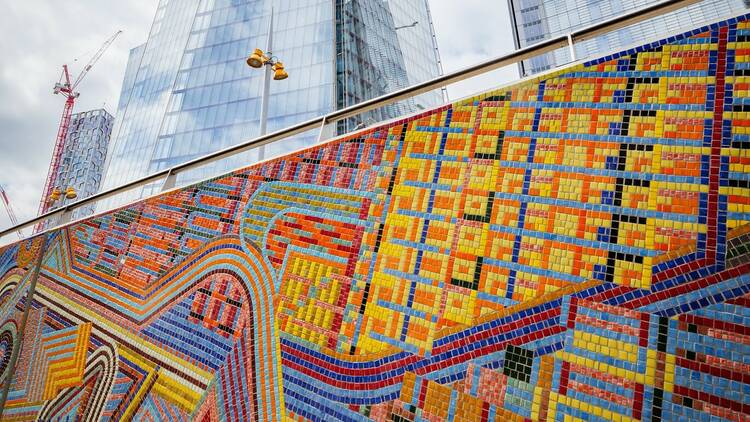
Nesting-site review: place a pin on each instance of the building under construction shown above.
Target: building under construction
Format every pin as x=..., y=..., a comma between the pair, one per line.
x=79, y=173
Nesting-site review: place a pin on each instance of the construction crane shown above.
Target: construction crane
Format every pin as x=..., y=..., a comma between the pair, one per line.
x=9, y=210
x=68, y=90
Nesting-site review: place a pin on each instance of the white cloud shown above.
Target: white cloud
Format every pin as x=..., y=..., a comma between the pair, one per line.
x=471, y=31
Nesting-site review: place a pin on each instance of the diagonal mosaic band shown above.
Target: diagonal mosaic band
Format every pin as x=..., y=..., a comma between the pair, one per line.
x=572, y=247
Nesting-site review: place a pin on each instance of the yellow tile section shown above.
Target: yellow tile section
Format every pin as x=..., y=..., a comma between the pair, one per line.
x=606, y=346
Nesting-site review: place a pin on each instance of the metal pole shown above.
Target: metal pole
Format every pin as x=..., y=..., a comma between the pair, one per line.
x=572, y=48
x=321, y=132
x=516, y=35
x=266, y=89
x=22, y=326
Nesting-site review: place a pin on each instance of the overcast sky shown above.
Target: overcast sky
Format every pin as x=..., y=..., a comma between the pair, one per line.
x=37, y=37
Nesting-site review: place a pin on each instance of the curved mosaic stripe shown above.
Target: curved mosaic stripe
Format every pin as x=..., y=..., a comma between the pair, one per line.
x=8, y=338
x=258, y=218
x=13, y=286
x=100, y=371
x=228, y=254
x=8, y=258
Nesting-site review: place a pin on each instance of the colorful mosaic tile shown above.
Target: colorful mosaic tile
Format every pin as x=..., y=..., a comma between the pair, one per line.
x=572, y=247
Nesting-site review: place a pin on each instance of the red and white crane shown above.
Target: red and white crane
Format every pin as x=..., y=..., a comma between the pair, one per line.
x=68, y=90
x=6, y=201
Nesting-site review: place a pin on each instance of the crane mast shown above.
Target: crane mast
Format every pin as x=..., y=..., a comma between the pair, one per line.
x=65, y=89
x=68, y=90
x=9, y=209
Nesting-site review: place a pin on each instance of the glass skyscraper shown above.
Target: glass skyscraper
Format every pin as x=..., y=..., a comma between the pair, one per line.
x=187, y=91
x=536, y=20
x=380, y=48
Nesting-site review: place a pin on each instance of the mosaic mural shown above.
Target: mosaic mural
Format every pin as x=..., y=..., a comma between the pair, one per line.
x=573, y=247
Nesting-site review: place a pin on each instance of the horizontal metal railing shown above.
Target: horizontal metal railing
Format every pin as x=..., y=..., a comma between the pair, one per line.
x=545, y=46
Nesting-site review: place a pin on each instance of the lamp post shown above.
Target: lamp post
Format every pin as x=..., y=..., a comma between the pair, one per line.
x=269, y=63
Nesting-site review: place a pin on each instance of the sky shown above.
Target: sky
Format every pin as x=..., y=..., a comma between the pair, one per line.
x=38, y=37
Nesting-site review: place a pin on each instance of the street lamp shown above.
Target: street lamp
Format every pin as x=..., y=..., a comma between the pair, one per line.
x=269, y=63
x=52, y=200
x=259, y=58
x=70, y=193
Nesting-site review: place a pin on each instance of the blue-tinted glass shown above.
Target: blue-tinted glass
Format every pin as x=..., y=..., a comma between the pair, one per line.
x=188, y=92
x=536, y=20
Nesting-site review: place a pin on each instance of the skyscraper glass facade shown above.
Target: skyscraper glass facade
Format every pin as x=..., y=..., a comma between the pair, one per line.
x=82, y=160
x=536, y=20
x=383, y=46
x=188, y=92
x=418, y=46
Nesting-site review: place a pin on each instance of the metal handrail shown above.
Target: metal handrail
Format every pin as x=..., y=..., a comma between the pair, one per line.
x=519, y=55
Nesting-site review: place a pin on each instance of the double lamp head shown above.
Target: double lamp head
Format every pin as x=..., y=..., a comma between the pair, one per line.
x=259, y=58
x=70, y=193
